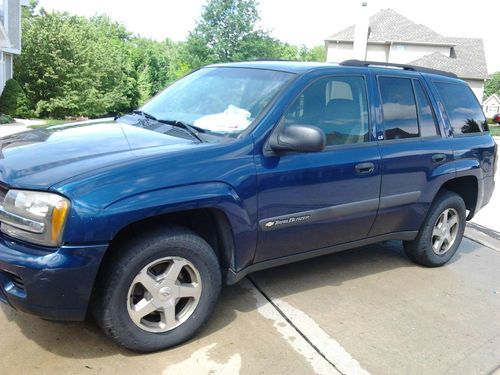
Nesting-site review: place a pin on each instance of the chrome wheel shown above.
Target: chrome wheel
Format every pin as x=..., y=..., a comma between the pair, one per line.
x=164, y=294
x=445, y=231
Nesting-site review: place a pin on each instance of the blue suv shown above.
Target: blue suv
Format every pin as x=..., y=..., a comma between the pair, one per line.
x=233, y=169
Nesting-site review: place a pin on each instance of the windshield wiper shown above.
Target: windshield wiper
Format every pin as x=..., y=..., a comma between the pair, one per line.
x=144, y=114
x=191, y=129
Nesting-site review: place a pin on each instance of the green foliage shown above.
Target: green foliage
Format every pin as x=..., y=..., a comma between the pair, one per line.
x=5, y=119
x=157, y=65
x=495, y=130
x=13, y=100
x=76, y=66
x=11, y=94
x=492, y=85
x=224, y=26
x=227, y=31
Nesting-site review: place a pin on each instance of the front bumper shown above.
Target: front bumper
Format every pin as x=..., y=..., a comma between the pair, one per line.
x=55, y=285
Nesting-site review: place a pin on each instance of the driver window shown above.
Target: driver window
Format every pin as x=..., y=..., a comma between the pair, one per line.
x=337, y=105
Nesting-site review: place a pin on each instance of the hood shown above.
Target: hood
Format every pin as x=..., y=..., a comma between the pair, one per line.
x=40, y=158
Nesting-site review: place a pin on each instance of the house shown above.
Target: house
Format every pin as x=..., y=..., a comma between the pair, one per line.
x=491, y=106
x=387, y=36
x=10, y=36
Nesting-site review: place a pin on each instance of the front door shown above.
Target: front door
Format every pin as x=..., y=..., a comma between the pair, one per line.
x=308, y=201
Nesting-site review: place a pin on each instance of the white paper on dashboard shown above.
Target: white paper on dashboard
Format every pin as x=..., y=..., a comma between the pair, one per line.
x=233, y=119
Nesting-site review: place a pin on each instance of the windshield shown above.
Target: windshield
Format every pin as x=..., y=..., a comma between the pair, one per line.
x=219, y=100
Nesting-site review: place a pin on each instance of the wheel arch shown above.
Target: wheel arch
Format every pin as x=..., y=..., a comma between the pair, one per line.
x=211, y=224
x=467, y=187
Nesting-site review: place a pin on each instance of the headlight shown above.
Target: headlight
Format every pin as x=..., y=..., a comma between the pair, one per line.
x=33, y=216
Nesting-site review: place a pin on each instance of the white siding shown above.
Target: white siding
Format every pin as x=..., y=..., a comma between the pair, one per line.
x=491, y=106
x=14, y=23
x=477, y=86
x=8, y=66
x=395, y=53
x=2, y=71
x=378, y=52
x=405, y=53
x=338, y=52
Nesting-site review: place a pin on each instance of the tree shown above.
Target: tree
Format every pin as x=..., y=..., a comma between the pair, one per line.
x=224, y=25
x=492, y=85
x=317, y=54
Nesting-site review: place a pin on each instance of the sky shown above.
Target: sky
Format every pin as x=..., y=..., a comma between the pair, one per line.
x=306, y=22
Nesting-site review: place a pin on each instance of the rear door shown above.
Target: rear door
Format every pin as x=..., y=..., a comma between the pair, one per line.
x=308, y=201
x=415, y=155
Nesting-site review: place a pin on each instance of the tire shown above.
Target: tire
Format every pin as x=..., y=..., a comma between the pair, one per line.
x=426, y=249
x=141, y=277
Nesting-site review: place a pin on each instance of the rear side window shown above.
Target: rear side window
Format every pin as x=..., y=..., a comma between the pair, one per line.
x=462, y=108
x=426, y=118
x=399, y=109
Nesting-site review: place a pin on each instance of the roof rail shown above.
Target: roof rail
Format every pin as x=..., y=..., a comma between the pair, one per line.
x=402, y=66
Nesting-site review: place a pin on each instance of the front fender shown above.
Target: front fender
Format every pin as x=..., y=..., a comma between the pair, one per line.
x=105, y=225
x=181, y=198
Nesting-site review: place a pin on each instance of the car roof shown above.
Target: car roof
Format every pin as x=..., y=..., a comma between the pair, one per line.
x=296, y=67
x=301, y=67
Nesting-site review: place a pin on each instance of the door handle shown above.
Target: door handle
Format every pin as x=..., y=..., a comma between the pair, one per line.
x=365, y=167
x=438, y=158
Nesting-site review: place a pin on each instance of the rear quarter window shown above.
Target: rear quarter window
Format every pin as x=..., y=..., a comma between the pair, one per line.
x=462, y=107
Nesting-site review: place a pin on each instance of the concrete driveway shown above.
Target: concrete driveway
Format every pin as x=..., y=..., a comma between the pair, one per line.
x=364, y=310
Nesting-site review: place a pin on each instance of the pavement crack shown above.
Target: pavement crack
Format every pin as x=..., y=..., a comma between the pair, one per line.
x=316, y=349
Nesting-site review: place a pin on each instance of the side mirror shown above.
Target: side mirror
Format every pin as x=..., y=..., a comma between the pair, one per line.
x=300, y=138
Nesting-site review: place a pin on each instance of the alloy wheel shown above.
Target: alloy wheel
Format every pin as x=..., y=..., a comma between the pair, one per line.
x=164, y=294
x=445, y=231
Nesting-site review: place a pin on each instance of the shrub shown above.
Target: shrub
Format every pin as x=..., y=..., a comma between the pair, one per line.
x=5, y=119
x=490, y=121
x=12, y=93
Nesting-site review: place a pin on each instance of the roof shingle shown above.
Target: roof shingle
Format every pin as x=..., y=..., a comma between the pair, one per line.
x=468, y=62
x=389, y=25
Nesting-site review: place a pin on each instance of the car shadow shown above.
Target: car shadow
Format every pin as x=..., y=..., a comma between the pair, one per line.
x=84, y=340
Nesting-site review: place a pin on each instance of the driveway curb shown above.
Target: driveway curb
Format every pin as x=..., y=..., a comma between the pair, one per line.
x=485, y=236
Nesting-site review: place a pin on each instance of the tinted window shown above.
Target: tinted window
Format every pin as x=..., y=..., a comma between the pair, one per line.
x=462, y=108
x=337, y=105
x=426, y=118
x=399, y=109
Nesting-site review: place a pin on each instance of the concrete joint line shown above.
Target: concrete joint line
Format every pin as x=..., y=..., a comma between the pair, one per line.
x=326, y=347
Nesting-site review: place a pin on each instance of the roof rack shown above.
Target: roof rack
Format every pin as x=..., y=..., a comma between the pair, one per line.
x=402, y=66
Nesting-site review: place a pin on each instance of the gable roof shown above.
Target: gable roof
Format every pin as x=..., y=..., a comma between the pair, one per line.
x=389, y=25
x=492, y=97
x=468, y=59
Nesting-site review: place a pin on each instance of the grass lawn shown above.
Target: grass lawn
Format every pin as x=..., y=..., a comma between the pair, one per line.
x=49, y=122
x=495, y=130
